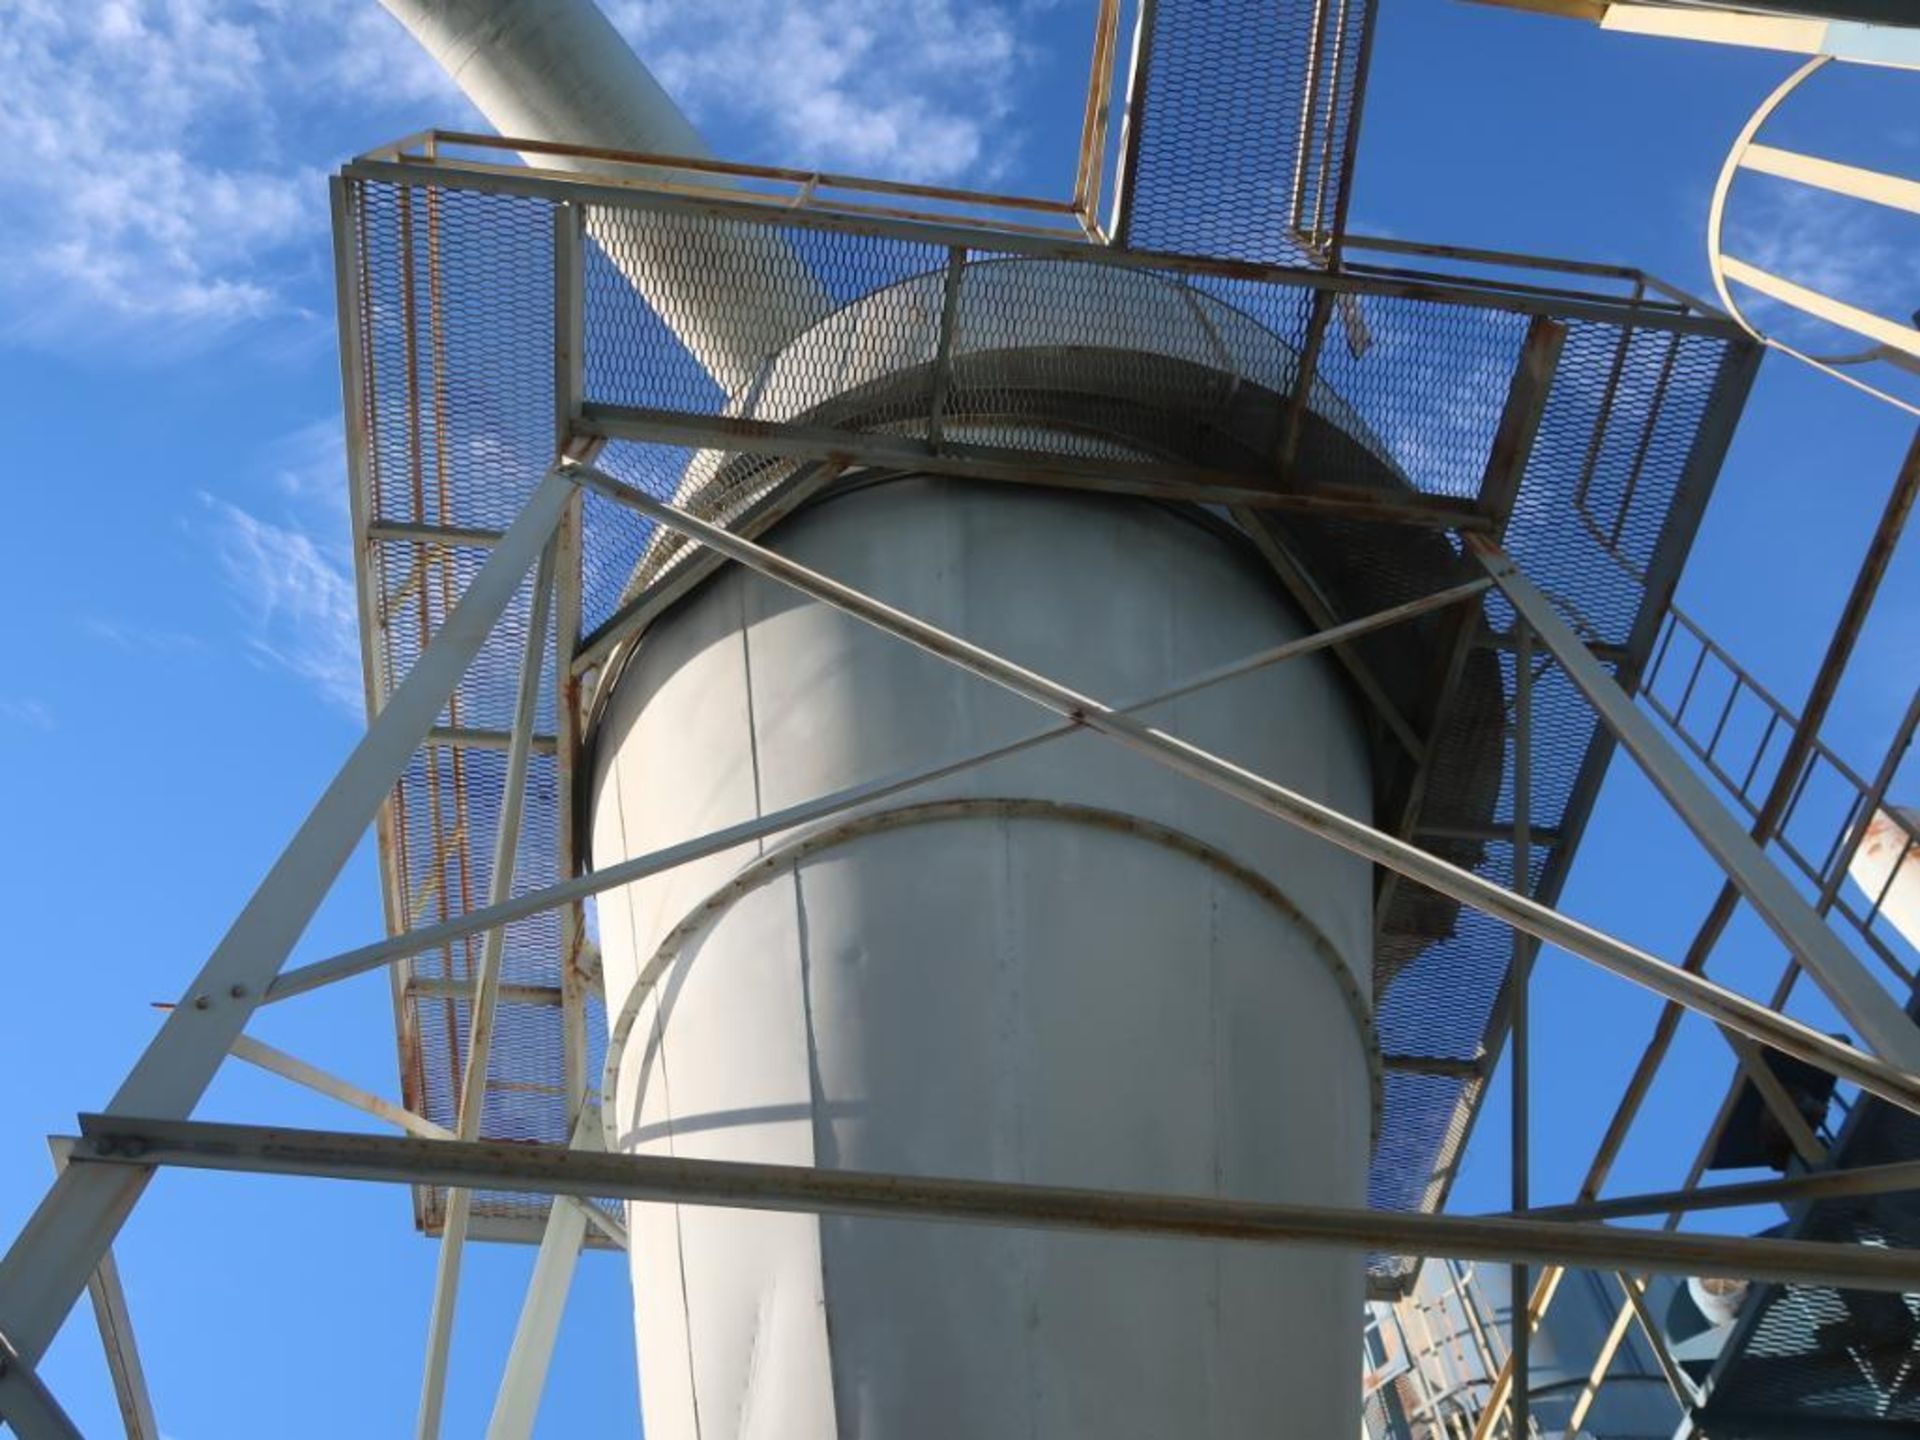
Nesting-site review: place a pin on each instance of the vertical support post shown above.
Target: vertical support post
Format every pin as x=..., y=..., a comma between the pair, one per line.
x=1309, y=106
x=525, y=1377
x=1093, y=130
x=1523, y=951
x=569, y=392
x=115, y=1324
x=1858, y=996
x=518, y=1401
x=943, y=352
x=486, y=997
x=50, y=1262
x=1133, y=120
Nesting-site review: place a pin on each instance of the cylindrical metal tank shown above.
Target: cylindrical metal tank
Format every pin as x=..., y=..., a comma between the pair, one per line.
x=1071, y=967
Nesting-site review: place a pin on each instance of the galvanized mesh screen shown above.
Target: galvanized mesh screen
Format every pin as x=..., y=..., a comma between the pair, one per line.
x=933, y=348
x=1249, y=106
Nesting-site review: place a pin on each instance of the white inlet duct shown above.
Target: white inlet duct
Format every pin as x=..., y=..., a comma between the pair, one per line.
x=557, y=70
x=1886, y=867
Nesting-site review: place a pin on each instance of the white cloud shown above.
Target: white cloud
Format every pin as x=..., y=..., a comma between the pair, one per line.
x=32, y=713
x=163, y=181
x=915, y=91
x=296, y=600
x=287, y=564
x=153, y=155
x=1845, y=249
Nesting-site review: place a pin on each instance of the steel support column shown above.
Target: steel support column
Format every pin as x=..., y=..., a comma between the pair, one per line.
x=486, y=998
x=1519, y=1410
x=1867, y=1005
x=518, y=1401
x=115, y=1323
x=48, y=1266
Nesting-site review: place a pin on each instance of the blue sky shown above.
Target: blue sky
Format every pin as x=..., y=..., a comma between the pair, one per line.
x=180, y=673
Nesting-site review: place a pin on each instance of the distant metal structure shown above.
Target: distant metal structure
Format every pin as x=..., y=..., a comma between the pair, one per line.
x=1434, y=1355
x=1285, y=536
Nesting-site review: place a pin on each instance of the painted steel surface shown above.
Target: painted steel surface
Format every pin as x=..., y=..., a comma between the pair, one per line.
x=1017, y=996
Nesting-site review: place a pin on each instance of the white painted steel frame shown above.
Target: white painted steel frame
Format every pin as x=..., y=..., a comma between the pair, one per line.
x=51, y=1260
x=44, y=1272
x=1866, y=1004
x=486, y=994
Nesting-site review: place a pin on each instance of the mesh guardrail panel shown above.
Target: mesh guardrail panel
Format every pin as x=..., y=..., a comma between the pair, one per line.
x=1243, y=145
x=1133, y=368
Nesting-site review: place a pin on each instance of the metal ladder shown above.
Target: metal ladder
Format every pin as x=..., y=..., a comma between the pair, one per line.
x=1737, y=730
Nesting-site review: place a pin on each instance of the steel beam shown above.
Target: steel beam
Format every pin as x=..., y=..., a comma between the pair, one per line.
x=26, y=1402
x=1792, y=1190
x=486, y=998
x=50, y=1261
x=522, y=1382
x=466, y=737
x=1151, y=479
x=115, y=1323
x=1897, y=1083
x=120, y=1141
x=445, y=536
x=569, y=393
x=517, y=1403
x=396, y=947
x=1866, y=1004
x=640, y=611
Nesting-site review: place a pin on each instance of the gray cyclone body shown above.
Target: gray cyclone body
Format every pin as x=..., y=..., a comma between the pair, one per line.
x=1069, y=967
x=1042, y=984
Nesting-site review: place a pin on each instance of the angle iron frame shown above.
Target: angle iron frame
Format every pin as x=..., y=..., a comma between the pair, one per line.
x=70, y=1234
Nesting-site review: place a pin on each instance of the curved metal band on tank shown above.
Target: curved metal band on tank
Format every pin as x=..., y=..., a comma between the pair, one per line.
x=789, y=854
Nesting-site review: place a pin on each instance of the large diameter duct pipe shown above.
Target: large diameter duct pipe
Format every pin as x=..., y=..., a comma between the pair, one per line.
x=1080, y=970
x=1886, y=867
x=557, y=70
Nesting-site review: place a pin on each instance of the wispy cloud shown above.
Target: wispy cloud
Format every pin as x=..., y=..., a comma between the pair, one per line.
x=1845, y=249
x=135, y=637
x=151, y=156
x=161, y=181
x=910, y=91
x=286, y=562
x=27, y=711
x=295, y=600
